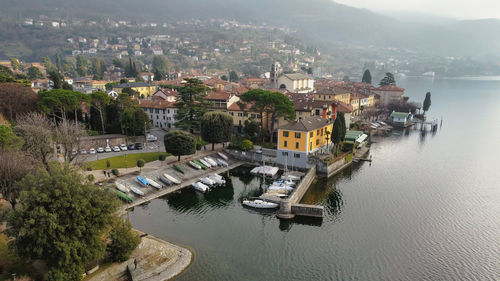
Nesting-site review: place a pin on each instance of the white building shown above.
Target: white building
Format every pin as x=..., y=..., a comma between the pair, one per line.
x=161, y=113
x=389, y=93
x=296, y=83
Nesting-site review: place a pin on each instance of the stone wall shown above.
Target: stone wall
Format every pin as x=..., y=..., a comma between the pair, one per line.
x=302, y=188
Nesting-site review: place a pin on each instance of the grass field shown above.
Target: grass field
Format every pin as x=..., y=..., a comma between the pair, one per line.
x=123, y=161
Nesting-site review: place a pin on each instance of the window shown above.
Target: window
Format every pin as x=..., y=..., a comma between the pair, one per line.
x=232, y=113
x=317, y=142
x=317, y=132
x=157, y=111
x=258, y=115
x=296, y=155
x=253, y=116
x=168, y=111
x=321, y=131
x=317, y=112
x=163, y=117
x=245, y=114
x=150, y=110
x=284, y=153
x=297, y=145
x=311, y=134
x=310, y=146
x=285, y=144
x=240, y=114
x=285, y=134
x=297, y=135
x=163, y=111
x=300, y=112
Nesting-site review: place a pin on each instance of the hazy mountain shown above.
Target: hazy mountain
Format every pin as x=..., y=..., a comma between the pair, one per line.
x=323, y=21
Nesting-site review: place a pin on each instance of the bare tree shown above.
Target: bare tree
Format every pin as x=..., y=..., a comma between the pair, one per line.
x=13, y=167
x=68, y=135
x=36, y=130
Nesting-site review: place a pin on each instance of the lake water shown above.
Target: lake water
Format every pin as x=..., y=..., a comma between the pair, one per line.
x=427, y=208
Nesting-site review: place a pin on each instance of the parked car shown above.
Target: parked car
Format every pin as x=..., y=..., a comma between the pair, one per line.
x=138, y=145
x=123, y=147
x=131, y=147
x=116, y=149
x=150, y=137
x=100, y=150
x=74, y=151
x=83, y=151
x=107, y=149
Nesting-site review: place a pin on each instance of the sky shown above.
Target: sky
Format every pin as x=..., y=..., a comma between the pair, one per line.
x=461, y=9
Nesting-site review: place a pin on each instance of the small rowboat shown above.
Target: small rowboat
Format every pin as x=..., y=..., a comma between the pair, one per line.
x=172, y=179
x=260, y=204
x=222, y=155
x=137, y=191
x=122, y=188
x=153, y=183
x=142, y=181
x=194, y=165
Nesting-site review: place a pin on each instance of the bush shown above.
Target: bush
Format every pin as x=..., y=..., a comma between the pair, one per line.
x=123, y=241
x=70, y=272
x=91, y=178
x=199, y=146
x=244, y=145
x=162, y=157
x=115, y=172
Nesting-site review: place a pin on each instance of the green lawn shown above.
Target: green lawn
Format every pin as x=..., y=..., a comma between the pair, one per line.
x=123, y=161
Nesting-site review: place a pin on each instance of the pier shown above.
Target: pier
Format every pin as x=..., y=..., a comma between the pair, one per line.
x=186, y=182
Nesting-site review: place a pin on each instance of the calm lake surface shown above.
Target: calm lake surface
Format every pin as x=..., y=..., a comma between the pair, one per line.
x=427, y=208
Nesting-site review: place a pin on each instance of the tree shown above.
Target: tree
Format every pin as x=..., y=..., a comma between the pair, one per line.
x=252, y=129
x=427, y=102
x=16, y=100
x=388, y=80
x=158, y=75
x=82, y=65
x=179, y=143
x=14, y=166
x=58, y=102
x=62, y=220
x=216, y=127
x=224, y=77
x=191, y=104
x=133, y=118
x=274, y=104
x=123, y=241
x=339, y=130
x=68, y=135
x=161, y=64
x=233, y=76
x=140, y=164
x=100, y=100
x=36, y=130
x=97, y=69
x=367, y=77
x=35, y=73
x=162, y=157
x=57, y=79
x=9, y=140
x=15, y=64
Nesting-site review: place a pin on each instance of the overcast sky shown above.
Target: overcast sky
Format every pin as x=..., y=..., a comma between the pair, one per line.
x=462, y=9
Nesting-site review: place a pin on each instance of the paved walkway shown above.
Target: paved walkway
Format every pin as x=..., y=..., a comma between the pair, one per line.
x=157, y=260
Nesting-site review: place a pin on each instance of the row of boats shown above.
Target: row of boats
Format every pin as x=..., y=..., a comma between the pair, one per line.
x=209, y=162
x=145, y=182
x=206, y=183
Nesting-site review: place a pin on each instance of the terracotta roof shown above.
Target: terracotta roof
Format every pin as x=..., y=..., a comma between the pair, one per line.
x=306, y=124
x=157, y=104
x=342, y=107
x=132, y=85
x=390, y=88
x=218, y=95
x=236, y=107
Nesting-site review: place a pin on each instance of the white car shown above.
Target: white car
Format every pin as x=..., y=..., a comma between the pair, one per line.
x=116, y=149
x=150, y=137
x=83, y=151
x=92, y=151
x=74, y=151
x=100, y=150
x=123, y=147
x=107, y=149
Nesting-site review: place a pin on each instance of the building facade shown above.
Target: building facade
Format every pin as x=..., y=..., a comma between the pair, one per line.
x=161, y=113
x=296, y=83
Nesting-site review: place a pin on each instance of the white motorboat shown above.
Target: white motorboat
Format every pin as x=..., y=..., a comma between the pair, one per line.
x=194, y=165
x=221, y=162
x=222, y=155
x=256, y=170
x=122, y=188
x=270, y=171
x=217, y=179
x=202, y=161
x=208, y=181
x=137, y=191
x=153, y=183
x=174, y=180
x=211, y=161
x=260, y=204
x=290, y=177
x=200, y=186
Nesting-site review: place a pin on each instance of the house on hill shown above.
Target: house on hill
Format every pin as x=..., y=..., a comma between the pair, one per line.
x=296, y=83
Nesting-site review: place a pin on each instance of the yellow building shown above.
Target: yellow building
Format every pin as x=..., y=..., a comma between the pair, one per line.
x=344, y=97
x=144, y=89
x=240, y=115
x=299, y=139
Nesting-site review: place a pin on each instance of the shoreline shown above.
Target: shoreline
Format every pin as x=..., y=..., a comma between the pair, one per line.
x=157, y=260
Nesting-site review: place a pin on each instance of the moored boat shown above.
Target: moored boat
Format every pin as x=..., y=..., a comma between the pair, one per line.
x=194, y=165
x=122, y=188
x=137, y=191
x=221, y=162
x=260, y=204
x=208, y=181
x=142, y=181
x=178, y=169
x=200, y=187
x=210, y=161
x=217, y=179
x=208, y=165
x=153, y=183
x=124, y=196
x=222, y=155
x=173, y=179
x=203, y=166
